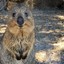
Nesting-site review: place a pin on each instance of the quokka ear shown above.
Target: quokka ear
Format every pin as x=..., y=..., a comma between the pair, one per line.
x=29, y=3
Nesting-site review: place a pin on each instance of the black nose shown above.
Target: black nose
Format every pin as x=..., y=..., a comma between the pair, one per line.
x=20, y=20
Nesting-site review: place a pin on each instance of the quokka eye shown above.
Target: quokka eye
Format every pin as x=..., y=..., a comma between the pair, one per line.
x=13, y=14
x=26, y=14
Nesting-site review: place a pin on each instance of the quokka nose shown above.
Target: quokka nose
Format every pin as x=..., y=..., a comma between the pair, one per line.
x=20, y=20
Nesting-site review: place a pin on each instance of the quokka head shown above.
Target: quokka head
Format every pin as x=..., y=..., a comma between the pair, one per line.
x=20, y=29
x=21, y=17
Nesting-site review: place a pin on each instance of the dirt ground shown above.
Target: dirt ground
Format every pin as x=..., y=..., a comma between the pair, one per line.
x=49, y=30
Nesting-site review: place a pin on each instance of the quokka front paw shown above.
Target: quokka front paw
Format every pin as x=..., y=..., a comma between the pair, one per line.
x=22, y=54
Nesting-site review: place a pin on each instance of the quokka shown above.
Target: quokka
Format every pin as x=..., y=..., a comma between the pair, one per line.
x=19, y=36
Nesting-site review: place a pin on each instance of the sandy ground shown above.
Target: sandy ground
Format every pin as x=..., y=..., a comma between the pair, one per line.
x=49, y=30
x=50, y=35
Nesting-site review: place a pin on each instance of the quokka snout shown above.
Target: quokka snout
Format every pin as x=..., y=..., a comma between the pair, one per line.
x=19, y=36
